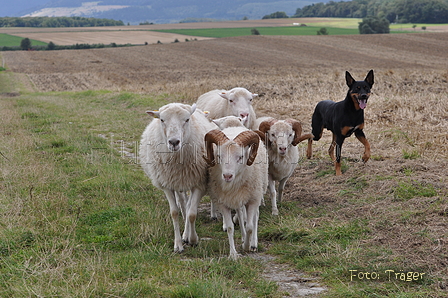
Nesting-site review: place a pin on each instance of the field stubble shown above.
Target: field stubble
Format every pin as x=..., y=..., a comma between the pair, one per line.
x=406, y=118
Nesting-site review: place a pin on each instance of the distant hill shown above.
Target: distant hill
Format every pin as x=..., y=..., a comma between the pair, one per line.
x=154, y=11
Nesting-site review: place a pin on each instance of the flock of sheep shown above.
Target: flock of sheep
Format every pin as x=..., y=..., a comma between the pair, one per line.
x=218, y=147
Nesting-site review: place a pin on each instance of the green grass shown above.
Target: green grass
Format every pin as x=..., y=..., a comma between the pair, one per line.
x=229, y=32
x=79, y=220
x=7, y=40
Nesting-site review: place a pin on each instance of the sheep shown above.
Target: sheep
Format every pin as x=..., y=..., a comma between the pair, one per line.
x=228, y=121
x=236, y=102
x=282, y=137
x=238, y=179
x=171, y=151
x=222, y=123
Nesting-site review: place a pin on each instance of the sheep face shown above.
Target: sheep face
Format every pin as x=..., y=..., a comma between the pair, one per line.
x=174, y=124
x=281, y=136
x=231, y=156
x=239, y=100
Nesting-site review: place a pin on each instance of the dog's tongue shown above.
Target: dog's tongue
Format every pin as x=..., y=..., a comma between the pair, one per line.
x=362, y=104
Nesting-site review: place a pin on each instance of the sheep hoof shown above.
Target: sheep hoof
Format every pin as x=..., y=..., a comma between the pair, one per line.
x=253, y=249
x=274, y=212
x=234, y=256
x=178, y=250
x=214, y=218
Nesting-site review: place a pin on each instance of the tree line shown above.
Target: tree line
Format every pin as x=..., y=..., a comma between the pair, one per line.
x=57, y=22
x=395, y=11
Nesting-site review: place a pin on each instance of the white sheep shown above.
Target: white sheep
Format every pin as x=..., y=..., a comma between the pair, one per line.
x=235, y=102
x=228, y=121
x=238, y=180
x=281, y=138
x=171, y=151
x=222, y=123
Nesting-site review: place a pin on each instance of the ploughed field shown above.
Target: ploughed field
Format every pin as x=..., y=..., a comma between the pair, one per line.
x=406, y=117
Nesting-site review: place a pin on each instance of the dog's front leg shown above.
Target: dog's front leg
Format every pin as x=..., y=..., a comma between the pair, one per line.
x=362, y=138
x=338, y=146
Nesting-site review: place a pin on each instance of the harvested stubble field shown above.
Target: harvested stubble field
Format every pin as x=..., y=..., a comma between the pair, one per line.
x=401, y=193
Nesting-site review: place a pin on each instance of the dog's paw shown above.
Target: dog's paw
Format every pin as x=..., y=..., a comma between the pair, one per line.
x=365, y=157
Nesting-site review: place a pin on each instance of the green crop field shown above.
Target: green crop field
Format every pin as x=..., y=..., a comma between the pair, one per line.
x=229, y=32
x=7, y=40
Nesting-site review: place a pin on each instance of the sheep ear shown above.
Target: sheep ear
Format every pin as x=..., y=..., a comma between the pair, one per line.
x=224, y=95
x=193, y=108
x=254, y=94
x=155, y=114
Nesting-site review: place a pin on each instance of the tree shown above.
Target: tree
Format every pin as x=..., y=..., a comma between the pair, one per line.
x=276, y=15
x=374, y=25
x=254, y=31
x=51, y=46
x=25, y=44
x=322, y=31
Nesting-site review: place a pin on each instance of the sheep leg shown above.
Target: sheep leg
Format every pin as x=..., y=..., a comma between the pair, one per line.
x=240, y=212
x=255, y=233
x=273, y=194
x=227, y=218
x=181, y=199
x=190, y=235
x=213, y=213
x=251, y=241
x=281, y=186
x=174, y=211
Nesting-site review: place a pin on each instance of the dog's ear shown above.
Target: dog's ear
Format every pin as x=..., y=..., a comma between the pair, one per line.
x=349, y=79
x=369, y=78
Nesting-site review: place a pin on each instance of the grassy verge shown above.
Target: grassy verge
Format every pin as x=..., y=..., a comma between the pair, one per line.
x=79, y=220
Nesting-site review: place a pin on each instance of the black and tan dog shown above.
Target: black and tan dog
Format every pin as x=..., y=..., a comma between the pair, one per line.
x=344, y=118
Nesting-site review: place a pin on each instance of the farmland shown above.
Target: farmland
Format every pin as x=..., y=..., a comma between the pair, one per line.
x=167, y=33
x=229, y=32
x=11, y=41
x=80, y=222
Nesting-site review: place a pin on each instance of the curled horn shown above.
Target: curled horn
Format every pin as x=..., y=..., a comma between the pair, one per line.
x=263, y=129
x=249, y=138
x=262, y=136
x=213, y=137
x=297, y=127
x=266, y=125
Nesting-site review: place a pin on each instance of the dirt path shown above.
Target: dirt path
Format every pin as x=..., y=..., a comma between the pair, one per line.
x=292, y=283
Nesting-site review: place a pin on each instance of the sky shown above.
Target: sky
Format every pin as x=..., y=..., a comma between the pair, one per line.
x=10, y=8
